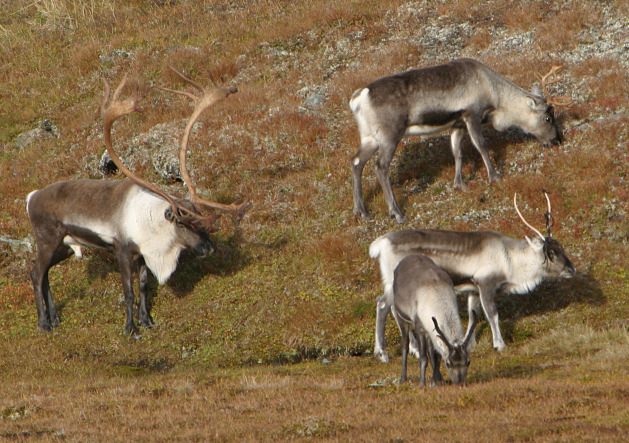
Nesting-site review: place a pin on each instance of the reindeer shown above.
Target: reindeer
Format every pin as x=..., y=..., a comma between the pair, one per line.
x=479, y=261
x=457, y=96
x=142, y=225
x=423, y=295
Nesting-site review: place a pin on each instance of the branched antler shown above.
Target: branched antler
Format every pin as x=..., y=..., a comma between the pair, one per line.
x=204, y=100
x=549, y=79
x=116, y=108
x=110, y=112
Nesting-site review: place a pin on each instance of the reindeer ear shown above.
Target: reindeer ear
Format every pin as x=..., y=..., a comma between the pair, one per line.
x=169, y=215
x=536, y=243
x=536, y=103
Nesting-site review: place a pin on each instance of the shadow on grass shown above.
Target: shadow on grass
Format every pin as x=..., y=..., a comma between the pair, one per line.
x=421, y=161
x=550, y=296
x=228, y=259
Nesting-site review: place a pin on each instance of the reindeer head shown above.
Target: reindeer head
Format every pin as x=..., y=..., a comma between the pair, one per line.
x=458, y=358
x=542, y=104
x=556, y=262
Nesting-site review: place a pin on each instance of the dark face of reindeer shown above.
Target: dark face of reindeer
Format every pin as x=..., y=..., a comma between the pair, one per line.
x=556, y=261
x=195, y=239
x=457, y=363
x=542, y=123
x=458, y=358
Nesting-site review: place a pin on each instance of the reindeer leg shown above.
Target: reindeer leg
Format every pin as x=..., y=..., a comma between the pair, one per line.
x=456, y=136
x=404, y=333
x=367, y=149
x=435, y=361
x=125, y=260
x=144, y=312
x=487, y=292
x=50, y=251
x=383, y=307
x=474, y=128
x=423, y=356
x=39, y=276
x=473, y=304
x=383, y=163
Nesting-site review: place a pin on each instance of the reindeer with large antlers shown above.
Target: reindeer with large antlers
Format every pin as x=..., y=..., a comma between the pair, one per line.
x=457, y=97
x=481, y=261
x=145, y=227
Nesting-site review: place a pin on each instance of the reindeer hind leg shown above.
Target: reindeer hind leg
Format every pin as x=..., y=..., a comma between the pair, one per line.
x=47, y=257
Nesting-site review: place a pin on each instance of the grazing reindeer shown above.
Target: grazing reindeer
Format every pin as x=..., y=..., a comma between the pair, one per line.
x=484, y=261
x=143, y=226
x=423, y=295
x=455, y=96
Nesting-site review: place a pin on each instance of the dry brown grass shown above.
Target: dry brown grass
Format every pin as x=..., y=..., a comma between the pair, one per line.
x=292, y=284
x=561, y=31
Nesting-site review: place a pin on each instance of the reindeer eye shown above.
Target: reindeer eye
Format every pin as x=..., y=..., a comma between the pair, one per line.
x=549, y=119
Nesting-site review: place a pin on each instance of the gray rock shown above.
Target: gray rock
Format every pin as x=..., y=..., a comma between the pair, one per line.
x=19, y=245
x=45, y=130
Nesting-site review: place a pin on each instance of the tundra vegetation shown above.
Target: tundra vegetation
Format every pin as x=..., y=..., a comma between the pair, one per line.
x=271, y=337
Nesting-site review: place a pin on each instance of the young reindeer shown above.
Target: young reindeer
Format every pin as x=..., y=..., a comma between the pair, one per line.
x=482, y=261
x=457, y=96
x=143, y=226
x=423, y=295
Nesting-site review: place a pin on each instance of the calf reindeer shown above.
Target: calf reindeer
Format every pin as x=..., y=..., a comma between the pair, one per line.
x=483, y=261
x=423, y=296
x=457, y=96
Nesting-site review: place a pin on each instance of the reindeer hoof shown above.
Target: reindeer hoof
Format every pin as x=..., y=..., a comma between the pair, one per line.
x=382, y=356
x=499, y=348
x=399, y=218
x=148, y=324
x=46, y=327
x=133, y=333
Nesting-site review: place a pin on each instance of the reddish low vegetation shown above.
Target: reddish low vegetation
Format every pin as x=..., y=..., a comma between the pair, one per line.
x=271, y=337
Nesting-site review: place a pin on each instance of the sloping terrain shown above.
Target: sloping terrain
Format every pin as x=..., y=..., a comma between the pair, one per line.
x=271, y=336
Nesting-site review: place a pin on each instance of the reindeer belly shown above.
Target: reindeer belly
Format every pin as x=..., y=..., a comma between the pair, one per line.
x=432, y=122
x=79, y=236
x=426, y=129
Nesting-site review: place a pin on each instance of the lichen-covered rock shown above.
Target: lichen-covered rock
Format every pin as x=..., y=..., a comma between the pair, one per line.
x=158, y=148
x=45, y=130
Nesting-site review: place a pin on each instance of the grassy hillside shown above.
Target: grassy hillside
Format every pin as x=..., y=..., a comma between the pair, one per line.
x=271, y=336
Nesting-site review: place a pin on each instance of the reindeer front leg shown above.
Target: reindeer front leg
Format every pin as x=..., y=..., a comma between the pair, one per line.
x=473, y=124
x=144, y=312
x=487, y=291
x=125, y=259
x=383, y=163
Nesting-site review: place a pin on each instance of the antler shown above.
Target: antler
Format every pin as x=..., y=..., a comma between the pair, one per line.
x=441, y=335
x=515, y=203
x=550, y=78
x=203, y=101
x=548, y=216
x=110, y=112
